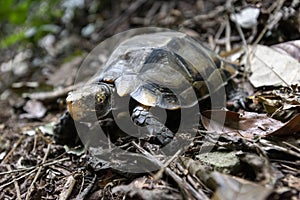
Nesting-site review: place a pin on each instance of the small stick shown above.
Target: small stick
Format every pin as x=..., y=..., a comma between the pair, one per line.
x=4, y=161
x=227, y=35
x=279, y=4
x=37, y=174
x=20, y=177
x=16, y=184
x=82, y=195
x=30, y=168
x=292, y=146
x=33, y=169
x=188, y=191
x=68, y=188
x=159, y=174
x=52, y=95
x=269, y=146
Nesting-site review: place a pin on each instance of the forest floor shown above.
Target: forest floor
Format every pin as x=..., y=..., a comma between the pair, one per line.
x=36, y=79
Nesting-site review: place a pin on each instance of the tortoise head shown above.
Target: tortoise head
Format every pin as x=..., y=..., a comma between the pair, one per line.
x=90, y=102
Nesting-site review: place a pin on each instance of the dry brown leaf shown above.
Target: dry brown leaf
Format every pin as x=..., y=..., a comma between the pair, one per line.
x=292, y=126
x=291, y=48
x=272, y=68
x=249, y=124
x=231, y=187
x=281, y=104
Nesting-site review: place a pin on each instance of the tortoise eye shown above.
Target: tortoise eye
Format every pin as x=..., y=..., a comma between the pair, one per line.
x=100, y=98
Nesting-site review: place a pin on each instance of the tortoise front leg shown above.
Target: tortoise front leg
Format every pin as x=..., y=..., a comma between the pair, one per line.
x=142, y=117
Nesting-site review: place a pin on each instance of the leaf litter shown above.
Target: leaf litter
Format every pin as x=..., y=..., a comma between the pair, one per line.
x=263, y=144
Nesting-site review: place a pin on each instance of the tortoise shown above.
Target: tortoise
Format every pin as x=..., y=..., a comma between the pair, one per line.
x=164, y=70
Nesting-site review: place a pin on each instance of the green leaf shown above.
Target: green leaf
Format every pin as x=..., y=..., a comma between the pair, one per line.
x=5, y=9
x=20, y=13
x=12, y=39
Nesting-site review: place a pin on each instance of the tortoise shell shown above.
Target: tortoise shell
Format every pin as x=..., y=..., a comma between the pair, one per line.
x=166, y=69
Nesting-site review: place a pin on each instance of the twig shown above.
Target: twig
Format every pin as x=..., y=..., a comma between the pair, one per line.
x=38, y=173
x=185, y=187
x=16, y=184
x=212, y=14
x=292, y=146
x=82, y=182
x=220, y=31
x=30, y=168
x=227, y=35
x=279, y=4
x=33, y=169
x=122, y=18
x=240, y=31
x=217, y=36
x=245, y=47
x=53, y=95
x=68, y=188
x=82, y=195
x=20, y=177
x=4, y=161
x=297, y=163
x=151, y=12
x=268, y=146
x=158, y=174
x=290, y=168
x=34, y=142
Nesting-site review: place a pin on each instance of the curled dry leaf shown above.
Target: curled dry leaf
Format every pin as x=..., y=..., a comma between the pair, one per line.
x=272, y=68
x=249, y=124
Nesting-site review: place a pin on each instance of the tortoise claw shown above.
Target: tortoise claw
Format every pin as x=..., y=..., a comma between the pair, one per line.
x=238, y=100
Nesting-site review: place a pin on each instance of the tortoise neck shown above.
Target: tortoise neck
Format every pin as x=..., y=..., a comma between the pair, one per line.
x=108, y=86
